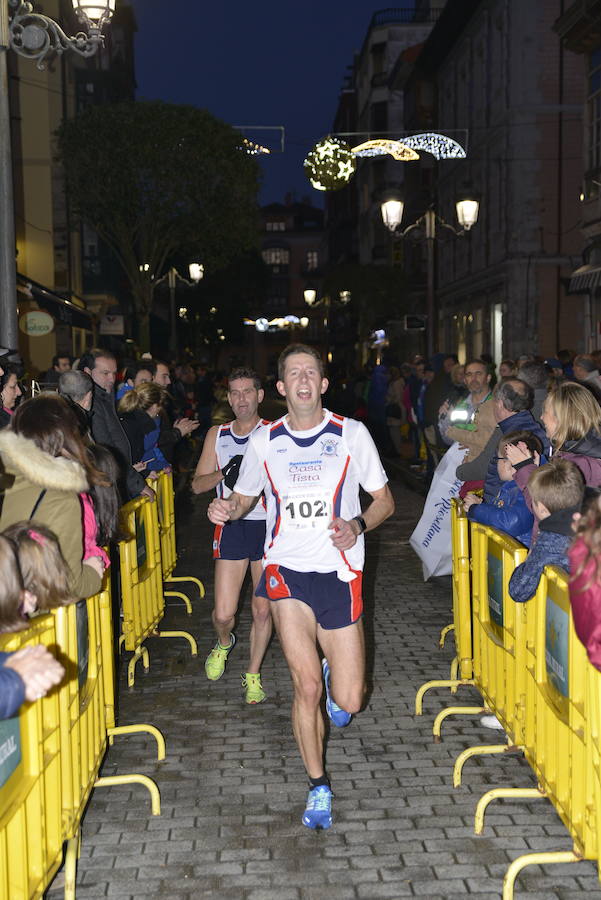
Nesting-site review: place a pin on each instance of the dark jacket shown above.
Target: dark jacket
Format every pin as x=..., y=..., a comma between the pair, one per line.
x=585, y=599
x=485, y=465
x=107, y=430
x=507, y=512
x=551, y=549
x=12, y=690
x=5, y=418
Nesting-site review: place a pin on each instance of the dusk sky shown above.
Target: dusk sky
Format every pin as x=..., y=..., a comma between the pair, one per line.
x=265, y=63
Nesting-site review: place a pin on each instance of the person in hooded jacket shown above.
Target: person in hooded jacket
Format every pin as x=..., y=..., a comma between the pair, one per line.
x=45, y=466
x=572, y=420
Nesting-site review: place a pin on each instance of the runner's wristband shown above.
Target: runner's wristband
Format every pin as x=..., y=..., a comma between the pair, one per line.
x=361, y=522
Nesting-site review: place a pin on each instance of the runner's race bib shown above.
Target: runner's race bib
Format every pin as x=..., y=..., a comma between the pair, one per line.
x=305, y=509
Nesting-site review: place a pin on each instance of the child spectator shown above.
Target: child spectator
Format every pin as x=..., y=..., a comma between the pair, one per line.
x=556, y=492
x=34, y=574
x=508, y=511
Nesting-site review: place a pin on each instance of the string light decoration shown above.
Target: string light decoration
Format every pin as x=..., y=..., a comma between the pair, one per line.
x=439, y=145
x=253, y=149
x=380, y=146
x=330, y=165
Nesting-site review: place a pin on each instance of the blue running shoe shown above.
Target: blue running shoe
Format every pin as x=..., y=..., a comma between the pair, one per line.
x=318, y=813
x=337, y=716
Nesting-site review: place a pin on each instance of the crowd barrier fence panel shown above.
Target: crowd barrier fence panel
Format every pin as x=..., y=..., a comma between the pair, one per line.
x=142, y=584
x=165, y=495
x=462, y=664
x=499, y=629
x=31, y=812
x=561, y=731
x=108, y=674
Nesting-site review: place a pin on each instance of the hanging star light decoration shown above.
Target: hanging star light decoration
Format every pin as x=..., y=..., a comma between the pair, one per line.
x=439, y=145
x=330, y=165
x=380, y=146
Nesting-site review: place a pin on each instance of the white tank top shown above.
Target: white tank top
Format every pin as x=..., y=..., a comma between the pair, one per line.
x=228, y=445
x=309, y=478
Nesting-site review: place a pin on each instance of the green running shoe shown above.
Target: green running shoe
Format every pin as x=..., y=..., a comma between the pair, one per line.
x=217, y=658
x=254, y=688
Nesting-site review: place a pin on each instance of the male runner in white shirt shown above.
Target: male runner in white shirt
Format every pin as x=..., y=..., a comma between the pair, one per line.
x=235, y=544
x=310, y=464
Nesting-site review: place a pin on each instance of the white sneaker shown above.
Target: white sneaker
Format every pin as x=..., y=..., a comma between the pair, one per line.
x=491, y=722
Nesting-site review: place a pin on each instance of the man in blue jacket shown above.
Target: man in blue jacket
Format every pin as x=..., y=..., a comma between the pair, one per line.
x=28, y=675
x=512, y=402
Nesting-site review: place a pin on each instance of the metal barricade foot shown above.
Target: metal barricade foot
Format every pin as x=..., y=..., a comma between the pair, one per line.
x=112, y=780
x=139, y=653
x=507, y=793
x=444, y=682
x=480, y=750
x=182, y=597
x=183, y=634
x=140, y=729
x=453, y=711
x=443, y=634
x=196, y=581
x=534, y=859
x=454, y=672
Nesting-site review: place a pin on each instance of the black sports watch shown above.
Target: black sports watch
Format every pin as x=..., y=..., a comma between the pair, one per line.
x=361, y=522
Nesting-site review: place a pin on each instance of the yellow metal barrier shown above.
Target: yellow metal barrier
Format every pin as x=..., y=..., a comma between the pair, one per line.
x=108, y=674
x=31, y=821
x=50, y=754
x=462, y=610
x=142, y=584
x=166, y=516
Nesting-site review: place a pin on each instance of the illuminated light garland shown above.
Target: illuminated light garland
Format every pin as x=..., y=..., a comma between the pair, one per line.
x=330, y=165
x=380, y=146
x=253, y=149
x=439, y=145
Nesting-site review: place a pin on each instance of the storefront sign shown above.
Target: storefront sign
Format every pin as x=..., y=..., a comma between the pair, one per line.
x=36, y=323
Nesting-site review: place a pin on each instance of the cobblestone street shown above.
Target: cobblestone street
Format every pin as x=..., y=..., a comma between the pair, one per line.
x=233, y=787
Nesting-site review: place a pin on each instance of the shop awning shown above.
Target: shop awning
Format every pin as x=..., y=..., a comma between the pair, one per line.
x=70, y=312
x=585, y=279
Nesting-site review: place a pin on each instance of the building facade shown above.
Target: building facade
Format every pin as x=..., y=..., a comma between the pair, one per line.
x=53, y=254
x=496, y=69
x=579, y=30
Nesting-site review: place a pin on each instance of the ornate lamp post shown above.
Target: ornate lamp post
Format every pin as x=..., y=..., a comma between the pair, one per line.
x=467, y=215
x=310, y=295
x=196, y=272
x=33, y=36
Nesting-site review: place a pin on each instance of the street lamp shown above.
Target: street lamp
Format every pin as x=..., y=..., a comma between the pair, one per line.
x=326, y=301
x=196, y=271
x=467, y=207
x=33, y=36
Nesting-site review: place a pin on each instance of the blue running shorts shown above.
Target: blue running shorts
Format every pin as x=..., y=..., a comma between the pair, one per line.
x=239, y=540
x=335, y=603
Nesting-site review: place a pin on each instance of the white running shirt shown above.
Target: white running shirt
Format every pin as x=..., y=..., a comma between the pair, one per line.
x=309, y=478
x=228, y=445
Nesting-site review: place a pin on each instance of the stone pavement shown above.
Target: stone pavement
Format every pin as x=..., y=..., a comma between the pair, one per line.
x=233, y=788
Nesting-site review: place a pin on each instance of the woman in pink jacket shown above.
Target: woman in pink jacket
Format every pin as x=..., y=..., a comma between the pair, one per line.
x=585, y=582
